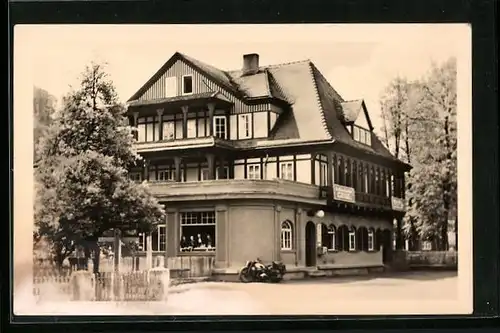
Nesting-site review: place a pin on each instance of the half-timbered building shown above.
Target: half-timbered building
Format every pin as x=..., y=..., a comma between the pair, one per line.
x=265, y=162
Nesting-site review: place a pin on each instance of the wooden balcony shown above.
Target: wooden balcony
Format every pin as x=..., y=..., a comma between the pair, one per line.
x=224, y=189
x=348, y=195
x=180, y=144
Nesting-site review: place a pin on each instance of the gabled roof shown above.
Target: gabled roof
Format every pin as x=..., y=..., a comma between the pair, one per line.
x=259, y=85
x=211, y=72
x=315, y=111
x=352, y=110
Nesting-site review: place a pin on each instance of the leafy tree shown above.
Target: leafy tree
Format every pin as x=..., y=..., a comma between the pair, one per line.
x=420, y=128
x=83, y=189
x=434, y=177
x=43, y=111
x=397, y=109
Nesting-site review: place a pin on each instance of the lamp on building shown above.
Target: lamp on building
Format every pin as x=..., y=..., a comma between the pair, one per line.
x=318, y=213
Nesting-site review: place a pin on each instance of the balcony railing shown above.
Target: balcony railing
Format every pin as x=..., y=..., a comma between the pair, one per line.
x=200, y=142
x=237, y=189
x=346, y=194
x=373, y=199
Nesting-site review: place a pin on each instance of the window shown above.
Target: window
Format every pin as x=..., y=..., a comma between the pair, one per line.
x=171, y=86
x=365, y=175
x=244, y=126
x=352, y=240
x=197, y=231
x=148, y=129
x=220, y=127
x=135, y=176
x=253, y=171
x=158, y=240
x=328, y=236
x=323, y=174
x=141, y=132
x=368, y=138
x=286, y=235
x=187, y=84
x=356, y=133
x=387, y=188
x=347, y=172
x=191, y=128
x=371, y=243
x=362, y=135
x=332, y=237
x=286, y=170
x=222, y=173
x=165, y=174
x=168, y=130
x=427, y=246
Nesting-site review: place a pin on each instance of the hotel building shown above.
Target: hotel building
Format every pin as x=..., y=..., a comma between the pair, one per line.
x=266, y=162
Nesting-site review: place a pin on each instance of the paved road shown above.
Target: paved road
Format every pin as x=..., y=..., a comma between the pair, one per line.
x=317, y=296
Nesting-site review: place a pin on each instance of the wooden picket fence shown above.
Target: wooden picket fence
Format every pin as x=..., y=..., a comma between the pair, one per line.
x=127, y=285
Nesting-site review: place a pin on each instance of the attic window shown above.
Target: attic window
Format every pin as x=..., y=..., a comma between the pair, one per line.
x=362, y=135
x=187, y=84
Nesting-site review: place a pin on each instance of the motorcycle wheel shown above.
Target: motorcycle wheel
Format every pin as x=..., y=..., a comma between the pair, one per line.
x=244, y=275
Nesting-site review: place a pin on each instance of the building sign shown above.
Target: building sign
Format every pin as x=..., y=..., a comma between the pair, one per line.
x=344, y=193
x=397, y=204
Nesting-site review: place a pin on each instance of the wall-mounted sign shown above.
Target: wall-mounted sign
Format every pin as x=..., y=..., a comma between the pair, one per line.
x=397, y=204
x=344, y=193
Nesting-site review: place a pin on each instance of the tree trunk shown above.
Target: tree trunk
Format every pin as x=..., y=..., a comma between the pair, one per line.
x=97, y=256
x=59, y=259
x=413, y=236
x=444, y=236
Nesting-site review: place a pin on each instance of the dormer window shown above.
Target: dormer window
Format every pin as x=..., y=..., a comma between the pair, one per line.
x=187, y=84
x=362, y=135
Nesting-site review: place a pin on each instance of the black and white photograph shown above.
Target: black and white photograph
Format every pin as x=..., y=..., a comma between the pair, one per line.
x=285, y=169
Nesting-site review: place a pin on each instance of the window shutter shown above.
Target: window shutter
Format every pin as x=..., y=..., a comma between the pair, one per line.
x=171, y=86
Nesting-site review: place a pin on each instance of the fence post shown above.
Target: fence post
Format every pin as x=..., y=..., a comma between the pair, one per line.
x=149, y=252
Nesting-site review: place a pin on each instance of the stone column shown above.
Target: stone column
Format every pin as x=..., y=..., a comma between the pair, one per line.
x=211, y=166
x=136, y=134
x=184, y=121
x=298, y=235
x=160, y=119
x=211, y=111
x=277, y=233
x=177, y=164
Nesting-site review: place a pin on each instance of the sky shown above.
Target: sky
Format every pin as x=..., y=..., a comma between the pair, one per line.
x=359, y=60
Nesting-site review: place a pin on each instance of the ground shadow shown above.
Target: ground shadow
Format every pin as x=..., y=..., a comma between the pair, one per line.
x=411, y=275
x=422, y=275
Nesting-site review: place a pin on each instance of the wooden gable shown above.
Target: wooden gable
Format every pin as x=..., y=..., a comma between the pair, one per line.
x=363, y=120
x=170, y=82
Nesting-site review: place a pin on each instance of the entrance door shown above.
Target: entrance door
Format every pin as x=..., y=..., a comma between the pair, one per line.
x=387, y=246
x=310, y=244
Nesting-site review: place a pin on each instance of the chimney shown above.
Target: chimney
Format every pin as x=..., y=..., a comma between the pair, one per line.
x=250, y=63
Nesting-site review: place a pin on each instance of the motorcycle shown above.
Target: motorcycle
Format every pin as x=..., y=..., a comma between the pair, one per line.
x=256, y=271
